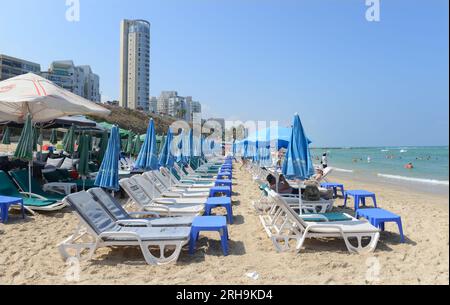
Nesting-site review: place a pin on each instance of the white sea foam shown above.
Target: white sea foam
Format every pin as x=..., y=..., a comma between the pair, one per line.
x=420, y=180
x=343, y=170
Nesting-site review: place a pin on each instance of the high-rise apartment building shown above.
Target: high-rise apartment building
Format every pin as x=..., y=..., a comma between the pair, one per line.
x=135, y=64
x=11, y=66
x=77, y=79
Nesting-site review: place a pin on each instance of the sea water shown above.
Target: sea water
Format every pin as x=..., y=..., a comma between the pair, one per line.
x=431, y=164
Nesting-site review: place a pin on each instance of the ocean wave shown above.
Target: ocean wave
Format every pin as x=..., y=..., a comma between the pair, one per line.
x=420, y=180
x=343, y=170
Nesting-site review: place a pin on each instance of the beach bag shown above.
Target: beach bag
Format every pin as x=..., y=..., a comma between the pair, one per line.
x=312, y=192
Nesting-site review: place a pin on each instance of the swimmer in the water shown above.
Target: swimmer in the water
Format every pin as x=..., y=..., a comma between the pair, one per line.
x=409, y=166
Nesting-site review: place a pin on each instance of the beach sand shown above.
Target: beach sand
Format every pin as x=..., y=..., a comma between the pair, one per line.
x=28, y=252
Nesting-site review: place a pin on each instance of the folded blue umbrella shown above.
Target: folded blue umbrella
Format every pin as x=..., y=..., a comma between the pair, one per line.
x=108, y=175
x=148, y=156
x=298, y=162
x=166, y=158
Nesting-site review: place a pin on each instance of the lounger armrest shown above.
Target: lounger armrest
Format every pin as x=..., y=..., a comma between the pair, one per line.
x=141, y=214
x=314, y=216
x=289, y=195
x=157, y=208
x=132, y=235
x=133, y=223
x=33, y=195
x=172, y=194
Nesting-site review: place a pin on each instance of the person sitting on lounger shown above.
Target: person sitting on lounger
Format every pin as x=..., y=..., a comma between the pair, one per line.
x=283, y=185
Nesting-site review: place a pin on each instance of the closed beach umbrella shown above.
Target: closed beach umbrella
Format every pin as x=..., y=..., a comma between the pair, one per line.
x=24, y=150
x=148, y=156
x=35, y=138
x=137, y=144
x=298, y=163
x=83, y=150
x=69, y=145
x=6, y=140
x=108, y=175
x=129, y=145
x=166, y=157
x=103, y=145
x=54, y=137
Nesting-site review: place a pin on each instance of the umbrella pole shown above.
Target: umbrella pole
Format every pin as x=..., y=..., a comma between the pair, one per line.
x=300, y=199
x=29, y=178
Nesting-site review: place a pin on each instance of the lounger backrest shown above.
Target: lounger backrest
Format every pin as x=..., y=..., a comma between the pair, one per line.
x=21, y=178
x=161, y=178
x=7, y=187
x=112, y=206
x=279, y=201
x=55, y=162
x=164, y=171
x=92, y=213
x=135, y=191
x=150, y=190
x=159, y=187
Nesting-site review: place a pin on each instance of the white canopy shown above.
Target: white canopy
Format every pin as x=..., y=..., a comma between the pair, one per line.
x=45, y=101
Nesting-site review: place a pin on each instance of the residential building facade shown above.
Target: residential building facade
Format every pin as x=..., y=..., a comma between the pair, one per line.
x=11, y=66
x=135, y=64
x=170, y=103
x=77, y=79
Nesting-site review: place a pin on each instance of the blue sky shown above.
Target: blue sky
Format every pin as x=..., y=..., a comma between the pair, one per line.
x=353, y=82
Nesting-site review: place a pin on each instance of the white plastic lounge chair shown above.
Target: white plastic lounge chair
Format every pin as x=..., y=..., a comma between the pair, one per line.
x=115, y=209
x=185, y=183
x=164, y=206
x=283, y=224
x=192, y=177
x=154, y=194
x=98, y=229
x=179, y=187
x=174, y=193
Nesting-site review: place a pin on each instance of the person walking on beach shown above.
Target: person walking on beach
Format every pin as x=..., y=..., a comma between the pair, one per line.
x=324, y=161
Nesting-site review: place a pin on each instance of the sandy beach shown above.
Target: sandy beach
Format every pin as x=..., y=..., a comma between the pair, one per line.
x=28, y=252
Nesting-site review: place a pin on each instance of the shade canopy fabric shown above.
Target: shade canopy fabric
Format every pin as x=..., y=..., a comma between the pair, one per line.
x=45, y=101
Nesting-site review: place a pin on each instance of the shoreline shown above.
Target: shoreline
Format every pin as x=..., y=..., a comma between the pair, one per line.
x=417, y=187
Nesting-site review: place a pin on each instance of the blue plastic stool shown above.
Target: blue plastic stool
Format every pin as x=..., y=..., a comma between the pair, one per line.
x=378, y=218
x=216, y=202
x=220, y=190
x=222, y=182
x=360, y=196
x=5, y=203
x=334, y=187
x=224, y=176
x=209, y=224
